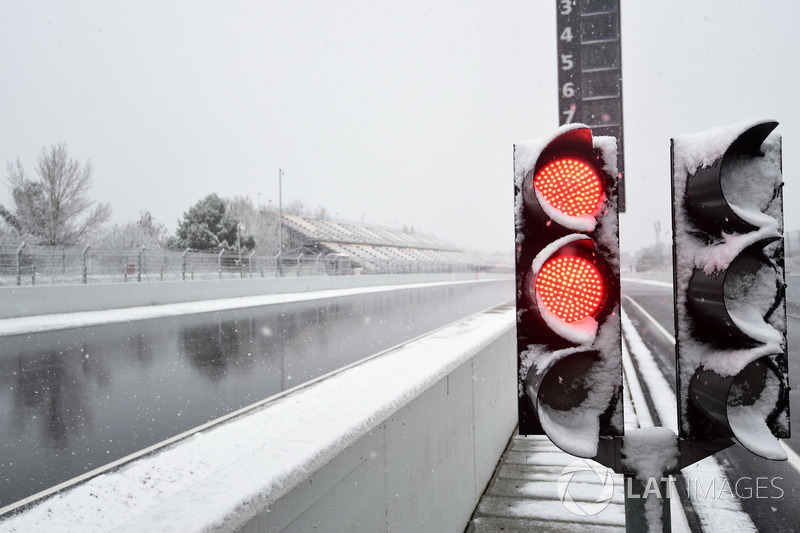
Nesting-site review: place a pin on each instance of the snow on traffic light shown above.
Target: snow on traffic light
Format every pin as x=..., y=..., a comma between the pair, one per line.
x=730, y=314
x=567, y=283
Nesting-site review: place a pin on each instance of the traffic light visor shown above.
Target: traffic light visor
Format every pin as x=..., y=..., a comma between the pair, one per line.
x=744, y=405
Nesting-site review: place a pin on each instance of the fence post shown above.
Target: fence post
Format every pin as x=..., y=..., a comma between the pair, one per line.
x=250, y=264
x=183, y=264
x=219, y=261
x=19, y=263
x=139, y=269
x=84, y=262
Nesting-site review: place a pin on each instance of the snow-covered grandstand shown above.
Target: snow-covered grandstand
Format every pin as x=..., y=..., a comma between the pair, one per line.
x=373, y=248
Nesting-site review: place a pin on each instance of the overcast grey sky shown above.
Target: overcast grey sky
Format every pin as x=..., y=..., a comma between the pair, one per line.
x=400, y=113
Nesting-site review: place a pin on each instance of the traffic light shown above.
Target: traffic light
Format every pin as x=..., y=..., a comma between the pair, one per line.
x=567, y=283
x=730, y=313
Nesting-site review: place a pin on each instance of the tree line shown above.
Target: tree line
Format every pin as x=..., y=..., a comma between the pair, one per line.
x=53, y=207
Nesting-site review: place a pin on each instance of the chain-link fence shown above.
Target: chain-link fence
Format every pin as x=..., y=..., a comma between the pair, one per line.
x=31, y=265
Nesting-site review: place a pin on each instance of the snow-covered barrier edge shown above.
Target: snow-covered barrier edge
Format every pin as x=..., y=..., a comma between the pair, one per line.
x=405, y=442
x=70, y=298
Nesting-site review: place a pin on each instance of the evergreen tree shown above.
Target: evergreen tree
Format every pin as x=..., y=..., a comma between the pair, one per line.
x=207, y=226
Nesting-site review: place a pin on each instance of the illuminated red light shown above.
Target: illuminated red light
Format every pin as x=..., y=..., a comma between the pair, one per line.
x=570, y=287
x=571, y=186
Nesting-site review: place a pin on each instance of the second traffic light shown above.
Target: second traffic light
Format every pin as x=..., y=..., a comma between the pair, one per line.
x=730, y=315
x=567, y=274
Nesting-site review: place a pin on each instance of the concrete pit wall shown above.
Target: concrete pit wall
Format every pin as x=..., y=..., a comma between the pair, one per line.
x=421, y=470
x=51, y=299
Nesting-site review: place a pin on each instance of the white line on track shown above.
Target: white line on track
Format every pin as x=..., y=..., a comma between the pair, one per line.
x=715, y=511
x=638, y=398
x=648, y=282
x=649, y=317
x=645, y=419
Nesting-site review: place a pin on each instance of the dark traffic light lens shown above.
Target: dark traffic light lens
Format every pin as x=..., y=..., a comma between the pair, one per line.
x=570, y=287
x=571, y=186
x=567, y=384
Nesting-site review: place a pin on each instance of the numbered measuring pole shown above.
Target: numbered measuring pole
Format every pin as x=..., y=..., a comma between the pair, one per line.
x=590, y=70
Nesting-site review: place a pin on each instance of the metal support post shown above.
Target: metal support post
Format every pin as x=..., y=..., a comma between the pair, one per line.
x=19, y=262
x=643, y=500
x=250, y=263
x=85, y=270
x=183, y=263
x=139, y=272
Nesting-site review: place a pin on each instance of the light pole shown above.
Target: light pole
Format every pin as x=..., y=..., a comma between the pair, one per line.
x=280, y=220
x=657, y=227
x=239, y=229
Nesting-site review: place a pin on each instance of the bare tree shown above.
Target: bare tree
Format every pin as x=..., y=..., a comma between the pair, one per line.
x=145, y=231
x=55, y=208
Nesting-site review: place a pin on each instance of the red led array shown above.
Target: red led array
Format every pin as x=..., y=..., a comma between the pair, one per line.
x=571, y=186
x=570, y=287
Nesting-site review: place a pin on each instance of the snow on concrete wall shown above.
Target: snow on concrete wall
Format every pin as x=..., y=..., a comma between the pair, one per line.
x=51, y=299
x=424, y=468
x=406, y=441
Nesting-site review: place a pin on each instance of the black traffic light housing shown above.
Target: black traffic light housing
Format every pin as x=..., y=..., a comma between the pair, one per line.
x=730, y=313
x=567, y=287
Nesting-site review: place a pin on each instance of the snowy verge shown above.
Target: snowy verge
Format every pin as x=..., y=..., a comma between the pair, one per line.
x=236, y=472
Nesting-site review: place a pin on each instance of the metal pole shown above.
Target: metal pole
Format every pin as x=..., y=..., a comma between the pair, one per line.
x=239, y=246
x=85, y=250
x=19, y=263
x=637, y=498
x=183, y=263
x=250, y=263
x=280, y=219
x=139, y=273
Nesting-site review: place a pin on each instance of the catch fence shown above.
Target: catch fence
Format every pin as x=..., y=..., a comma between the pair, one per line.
x=33, y=265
